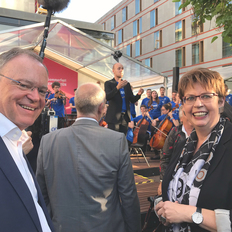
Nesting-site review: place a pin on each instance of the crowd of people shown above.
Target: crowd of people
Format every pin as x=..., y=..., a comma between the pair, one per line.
x=84, y=178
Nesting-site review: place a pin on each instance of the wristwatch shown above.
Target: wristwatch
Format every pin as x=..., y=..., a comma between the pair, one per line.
x=197, y=217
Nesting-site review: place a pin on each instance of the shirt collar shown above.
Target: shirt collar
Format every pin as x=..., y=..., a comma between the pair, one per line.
x=92, y=119
x=9, y=129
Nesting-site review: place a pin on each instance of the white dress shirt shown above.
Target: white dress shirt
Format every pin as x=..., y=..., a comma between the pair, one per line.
x=13, y=138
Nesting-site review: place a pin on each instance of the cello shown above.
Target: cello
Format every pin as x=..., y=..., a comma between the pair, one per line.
x=140, y=131
x=158, y=139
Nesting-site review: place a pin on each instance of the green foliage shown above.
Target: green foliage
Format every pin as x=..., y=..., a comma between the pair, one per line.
x=220, y=10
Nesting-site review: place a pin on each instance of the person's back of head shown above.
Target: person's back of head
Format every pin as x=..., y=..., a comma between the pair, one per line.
x=90, y=100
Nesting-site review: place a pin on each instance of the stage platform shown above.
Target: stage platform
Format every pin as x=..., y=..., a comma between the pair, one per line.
x=147, y=181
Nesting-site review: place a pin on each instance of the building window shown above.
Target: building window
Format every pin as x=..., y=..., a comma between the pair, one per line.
x=148, y=62
x=135, y=28
x=137, y=6
x=124, y=14
x=178, y=31
x=177, y=5
x=157, y=40
x=138, y=48
x=113, y=22
x=140, y=25
x=128, y=50
x=152, y=19
x=104, y=26
x=180, y=57
x=226, y=49
x=196, y=28
x=197, y=53
x=120, y=36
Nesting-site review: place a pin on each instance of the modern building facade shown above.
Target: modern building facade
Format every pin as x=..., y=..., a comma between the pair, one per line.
x=161, y=36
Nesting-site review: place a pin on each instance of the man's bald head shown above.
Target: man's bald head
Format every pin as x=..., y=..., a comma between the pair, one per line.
x=88, y=98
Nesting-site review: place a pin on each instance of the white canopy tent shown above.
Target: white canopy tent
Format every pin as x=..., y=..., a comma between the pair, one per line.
x=80, y=52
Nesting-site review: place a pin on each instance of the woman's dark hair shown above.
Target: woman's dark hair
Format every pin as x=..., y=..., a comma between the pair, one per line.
x=168, y=106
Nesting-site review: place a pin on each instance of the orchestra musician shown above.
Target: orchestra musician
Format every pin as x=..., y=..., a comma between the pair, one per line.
x=144, y=116
x=57, y=101
x=166, y=109
x=72, y=105
x=156, y=104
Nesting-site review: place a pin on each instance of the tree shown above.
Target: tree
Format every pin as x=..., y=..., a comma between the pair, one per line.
x=208, y=9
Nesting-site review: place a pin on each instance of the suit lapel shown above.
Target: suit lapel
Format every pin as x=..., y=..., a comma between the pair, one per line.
x=40, y=196
x=14, y=176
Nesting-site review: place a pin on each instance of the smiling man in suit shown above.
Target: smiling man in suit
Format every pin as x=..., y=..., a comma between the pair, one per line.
x=85, y=172
x=119, y=95
x=23, y=86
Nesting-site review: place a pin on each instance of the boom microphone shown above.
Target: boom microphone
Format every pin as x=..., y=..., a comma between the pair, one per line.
x=54, y=5
x=51, y=6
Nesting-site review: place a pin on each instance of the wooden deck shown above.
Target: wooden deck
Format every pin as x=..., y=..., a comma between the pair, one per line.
x=146, y=179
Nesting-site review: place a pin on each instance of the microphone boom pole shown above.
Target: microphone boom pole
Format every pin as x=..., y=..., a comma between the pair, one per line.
x=45, y=35
x=52, y=6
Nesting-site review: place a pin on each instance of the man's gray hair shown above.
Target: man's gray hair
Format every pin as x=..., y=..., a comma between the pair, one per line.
x=88, y=97
x=14, y=52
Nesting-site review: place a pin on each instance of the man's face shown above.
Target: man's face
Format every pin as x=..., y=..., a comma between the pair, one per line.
x=162, y=91
x=148, y=93
x=173, y=96
x=22, y=107
x=118, y=70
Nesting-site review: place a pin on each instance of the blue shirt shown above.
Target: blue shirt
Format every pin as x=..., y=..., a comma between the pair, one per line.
x=161, y=118
x=229, y=99
x=132, y=108
x=122, y=92
x=164, y=100
x=155, y=112
x=57, y=105
x=173, y=104
x=73, y=103
x=145, y=101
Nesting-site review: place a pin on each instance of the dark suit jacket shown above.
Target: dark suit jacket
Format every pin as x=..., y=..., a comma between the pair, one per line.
x=17, y=209
x=216, y=192
x=113, y=95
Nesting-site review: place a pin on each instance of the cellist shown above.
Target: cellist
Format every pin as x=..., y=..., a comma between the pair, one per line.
x=166, y=109
x=144, y=114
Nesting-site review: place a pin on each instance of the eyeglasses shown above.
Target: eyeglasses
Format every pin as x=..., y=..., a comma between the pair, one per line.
x=205, y=98
x=27, y=87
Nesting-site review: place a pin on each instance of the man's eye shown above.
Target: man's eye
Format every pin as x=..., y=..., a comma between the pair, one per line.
x=42, y=92
x=23, y=86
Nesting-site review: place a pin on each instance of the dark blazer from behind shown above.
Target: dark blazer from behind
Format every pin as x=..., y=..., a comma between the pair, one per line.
x=17, y=209
x=216, y=192
x=114, y=98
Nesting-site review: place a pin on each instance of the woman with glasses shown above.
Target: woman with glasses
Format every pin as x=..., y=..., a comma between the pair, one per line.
x=197, y=186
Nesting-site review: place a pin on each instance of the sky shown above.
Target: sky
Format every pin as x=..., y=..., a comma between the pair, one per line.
x=87, y=10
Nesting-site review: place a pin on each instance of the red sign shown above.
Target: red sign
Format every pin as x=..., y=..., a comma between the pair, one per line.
x=65, y=76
